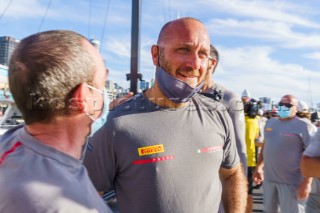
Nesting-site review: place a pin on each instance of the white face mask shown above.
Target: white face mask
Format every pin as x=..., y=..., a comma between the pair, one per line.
x=98, y=122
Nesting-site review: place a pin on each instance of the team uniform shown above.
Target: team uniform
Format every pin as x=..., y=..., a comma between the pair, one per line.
x=37, y=178
x=284, y=144
x=313, y=202
x=234, y=107
x=163, y=159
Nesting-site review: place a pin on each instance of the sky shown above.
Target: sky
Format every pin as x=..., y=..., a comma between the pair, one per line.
x=269, y=47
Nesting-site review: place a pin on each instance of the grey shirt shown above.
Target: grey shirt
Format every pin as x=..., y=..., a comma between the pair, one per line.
x=162, y=159
x=284, y=144
x=234, y=107
x=37, y=178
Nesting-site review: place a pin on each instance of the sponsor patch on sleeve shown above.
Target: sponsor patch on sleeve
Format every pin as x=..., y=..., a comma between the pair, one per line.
x=268, y=129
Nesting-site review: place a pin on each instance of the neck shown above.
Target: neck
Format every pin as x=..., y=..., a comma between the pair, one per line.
x=65, y=135
x=208, y=84
x=286, y=119
x=155, y=95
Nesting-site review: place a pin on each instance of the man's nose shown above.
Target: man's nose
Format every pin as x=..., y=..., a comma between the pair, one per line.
x=194, y=61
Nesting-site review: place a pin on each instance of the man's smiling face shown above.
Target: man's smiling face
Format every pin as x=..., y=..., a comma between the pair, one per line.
x=184, y=51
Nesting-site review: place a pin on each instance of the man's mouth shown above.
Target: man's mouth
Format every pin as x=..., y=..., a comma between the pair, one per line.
x=187, y=75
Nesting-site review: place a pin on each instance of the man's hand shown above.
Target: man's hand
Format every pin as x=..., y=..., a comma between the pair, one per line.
x=258, y=176
x=118, y=101
x=304, y=189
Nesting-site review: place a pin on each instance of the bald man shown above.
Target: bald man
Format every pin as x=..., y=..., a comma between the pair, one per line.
x=171, y=149
x=286, y=138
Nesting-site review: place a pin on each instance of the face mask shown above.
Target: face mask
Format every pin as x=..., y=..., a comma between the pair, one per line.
x=98, y=122
x=173, y=88
x=284, y=112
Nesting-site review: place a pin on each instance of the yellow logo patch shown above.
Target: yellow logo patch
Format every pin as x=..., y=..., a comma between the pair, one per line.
x=268, y=129
x=149, y=150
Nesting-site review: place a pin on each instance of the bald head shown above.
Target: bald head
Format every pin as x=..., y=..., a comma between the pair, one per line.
x=174, y=27
x=183, y=50
x=290, y=99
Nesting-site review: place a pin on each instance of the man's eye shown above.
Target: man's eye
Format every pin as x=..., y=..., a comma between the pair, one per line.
x=203, y=55
x=183, y=49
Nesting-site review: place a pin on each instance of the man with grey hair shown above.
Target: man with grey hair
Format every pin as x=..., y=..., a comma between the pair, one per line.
x=171, y=149
x=57, y=80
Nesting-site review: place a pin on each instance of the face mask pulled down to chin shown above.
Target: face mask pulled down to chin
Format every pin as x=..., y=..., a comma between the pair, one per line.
x=176, y=90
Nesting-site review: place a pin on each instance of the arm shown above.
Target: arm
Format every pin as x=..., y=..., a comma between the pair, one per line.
x=234, y=189
x=304, y=188
x=310, y=166
x=258, y=175
x=235, y=110
x=119, y=101
x=310, y=160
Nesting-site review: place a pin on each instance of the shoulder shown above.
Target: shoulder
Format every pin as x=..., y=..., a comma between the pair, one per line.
x=20, y=196
x=9, y=139
x=136, y=104
x=227, y=93
x=207, y=103
x=272, y=121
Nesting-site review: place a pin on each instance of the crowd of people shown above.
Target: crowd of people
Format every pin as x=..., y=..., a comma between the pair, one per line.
x=187, y=144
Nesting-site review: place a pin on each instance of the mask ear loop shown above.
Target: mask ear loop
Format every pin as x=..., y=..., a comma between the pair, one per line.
x=158, y=55
x=84, y=149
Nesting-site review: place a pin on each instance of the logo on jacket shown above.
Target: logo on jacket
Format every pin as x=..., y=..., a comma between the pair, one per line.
x=149, y=150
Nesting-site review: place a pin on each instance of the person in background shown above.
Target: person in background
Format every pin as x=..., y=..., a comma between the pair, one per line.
x=57, y=80
x=252, y=133
x=262, y=117
x=310, y=167
x=232, y=103
x=230, y=100
x=169, y=148
x=286, y=138
x=304, y=113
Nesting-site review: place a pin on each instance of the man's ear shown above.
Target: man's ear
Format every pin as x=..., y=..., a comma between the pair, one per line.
x=214, y=63
x=76, y=103
x=155, y=54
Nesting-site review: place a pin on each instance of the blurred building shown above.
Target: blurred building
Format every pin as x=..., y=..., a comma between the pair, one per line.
x=266, y=103
x=7, y=46
x=143, y=85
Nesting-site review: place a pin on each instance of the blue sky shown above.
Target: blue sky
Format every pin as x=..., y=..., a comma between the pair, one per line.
x=270, y=47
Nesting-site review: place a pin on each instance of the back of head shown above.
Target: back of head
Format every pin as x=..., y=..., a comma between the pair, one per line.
x=251, y=108
x=303, y=107
x=214, y=53
x=44, y=70
x=303, y=110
